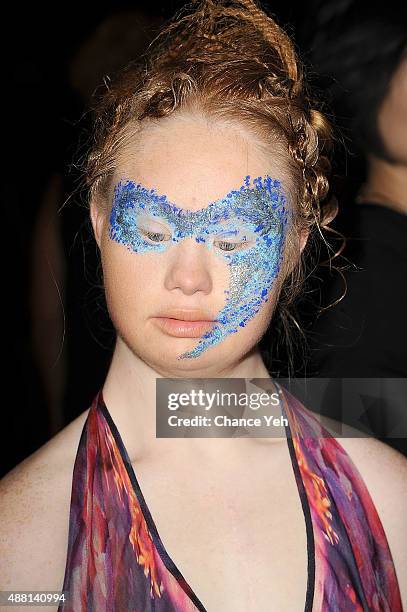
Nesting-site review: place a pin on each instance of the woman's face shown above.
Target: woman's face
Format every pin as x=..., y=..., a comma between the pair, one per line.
x=192, y=243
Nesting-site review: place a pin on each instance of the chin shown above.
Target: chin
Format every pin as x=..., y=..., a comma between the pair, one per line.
x=162, y=352
x=207, y=365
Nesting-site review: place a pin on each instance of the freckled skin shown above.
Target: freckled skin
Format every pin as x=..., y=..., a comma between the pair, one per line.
x=251, y=222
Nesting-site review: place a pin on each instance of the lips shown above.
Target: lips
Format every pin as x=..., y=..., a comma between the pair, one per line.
x=186, y=314
x=184, y=323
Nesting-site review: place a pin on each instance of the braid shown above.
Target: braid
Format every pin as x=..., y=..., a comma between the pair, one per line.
x=274, y=36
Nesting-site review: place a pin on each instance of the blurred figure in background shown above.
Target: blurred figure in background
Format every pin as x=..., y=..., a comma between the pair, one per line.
x=361, y=54
x=365, y=55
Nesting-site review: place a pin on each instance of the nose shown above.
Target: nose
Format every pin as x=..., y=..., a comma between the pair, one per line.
x=188, y=268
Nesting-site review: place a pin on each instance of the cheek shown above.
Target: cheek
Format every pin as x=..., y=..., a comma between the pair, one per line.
x=124, y=277
x=257, y=325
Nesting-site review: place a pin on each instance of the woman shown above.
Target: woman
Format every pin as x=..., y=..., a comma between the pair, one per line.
x=207, y=179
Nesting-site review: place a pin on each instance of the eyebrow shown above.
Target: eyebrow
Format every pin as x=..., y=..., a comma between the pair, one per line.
x=270, y=185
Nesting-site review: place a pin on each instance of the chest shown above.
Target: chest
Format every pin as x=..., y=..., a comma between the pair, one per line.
x=240, y=542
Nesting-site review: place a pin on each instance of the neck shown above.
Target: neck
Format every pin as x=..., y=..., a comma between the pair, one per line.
x=130, y=395
x=386, y=184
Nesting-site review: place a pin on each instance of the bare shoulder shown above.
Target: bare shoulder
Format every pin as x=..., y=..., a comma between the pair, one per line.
x=34, y=514
x=384, y=472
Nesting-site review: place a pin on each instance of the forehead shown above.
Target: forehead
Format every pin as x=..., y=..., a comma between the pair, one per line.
x=193, y=161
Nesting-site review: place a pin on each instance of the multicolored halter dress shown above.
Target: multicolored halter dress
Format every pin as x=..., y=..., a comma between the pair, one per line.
x=116, y=561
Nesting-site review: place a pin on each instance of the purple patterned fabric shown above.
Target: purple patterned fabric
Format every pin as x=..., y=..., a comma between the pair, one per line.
x=116, y=561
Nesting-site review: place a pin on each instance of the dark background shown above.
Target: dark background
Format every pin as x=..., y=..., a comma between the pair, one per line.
x=45, y=130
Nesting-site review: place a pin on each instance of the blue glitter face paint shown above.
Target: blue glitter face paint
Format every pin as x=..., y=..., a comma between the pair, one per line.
x=247, y=228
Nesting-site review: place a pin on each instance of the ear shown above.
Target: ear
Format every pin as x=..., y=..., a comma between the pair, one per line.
x=294, y=259
x=98, y=218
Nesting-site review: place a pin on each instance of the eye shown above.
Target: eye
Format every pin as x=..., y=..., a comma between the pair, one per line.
x=155, y=236
x=226, y=245
x=233, y=236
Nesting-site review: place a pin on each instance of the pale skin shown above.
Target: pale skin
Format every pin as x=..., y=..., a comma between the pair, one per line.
x=227, y=510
